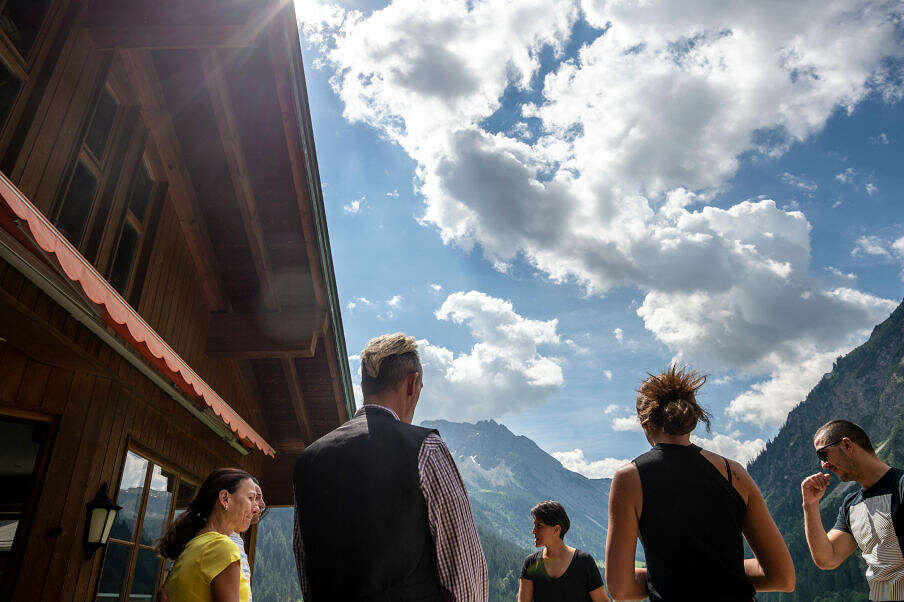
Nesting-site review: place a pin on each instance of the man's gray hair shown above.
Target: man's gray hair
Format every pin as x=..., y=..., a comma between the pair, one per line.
x=386, y=360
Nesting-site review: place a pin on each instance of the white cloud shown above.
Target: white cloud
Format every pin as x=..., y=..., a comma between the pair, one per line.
x=597, y=469
x=871, y=245
x=357, y=301
x=845, y=275
x=799, y=182
x=898, y=247
x=731, y=446
x=436, y=287
x=393, y=195
x=871, y=188
x=607, y=374
x=606, y=195
x=846, y=176
x=880, y=139
x=619, y=335
x=627, y=423
x=612, y=408
x=356, y=205
x=395, y=301
x=504, y=371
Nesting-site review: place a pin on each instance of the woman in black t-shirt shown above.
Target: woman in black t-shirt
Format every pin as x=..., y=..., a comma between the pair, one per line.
x=558, y=573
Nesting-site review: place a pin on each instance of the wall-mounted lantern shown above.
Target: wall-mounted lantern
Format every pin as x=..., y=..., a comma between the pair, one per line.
x=99, y=521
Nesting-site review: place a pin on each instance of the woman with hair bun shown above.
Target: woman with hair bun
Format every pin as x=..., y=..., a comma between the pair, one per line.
x=206, y=564
x=691, y=508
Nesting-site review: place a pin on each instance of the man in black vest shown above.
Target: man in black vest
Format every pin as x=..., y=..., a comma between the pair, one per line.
x=381, y=512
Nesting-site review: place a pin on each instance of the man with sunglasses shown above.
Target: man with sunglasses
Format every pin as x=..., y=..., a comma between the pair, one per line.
x=871, y=518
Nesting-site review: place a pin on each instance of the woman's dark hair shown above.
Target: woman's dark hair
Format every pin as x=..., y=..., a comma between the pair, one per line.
x=667, y=402
x=187, y=525
x=552, y=513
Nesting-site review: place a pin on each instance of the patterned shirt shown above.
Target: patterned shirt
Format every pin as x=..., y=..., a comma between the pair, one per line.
x=246, y=568
x=460, y=561
x=875, y=518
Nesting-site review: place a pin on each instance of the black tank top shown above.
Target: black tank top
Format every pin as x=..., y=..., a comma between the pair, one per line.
x=690, y=527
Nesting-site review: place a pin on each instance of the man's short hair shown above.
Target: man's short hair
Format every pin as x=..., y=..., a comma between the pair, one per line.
x=386, y=361
x=839, y=429
x=552, y=513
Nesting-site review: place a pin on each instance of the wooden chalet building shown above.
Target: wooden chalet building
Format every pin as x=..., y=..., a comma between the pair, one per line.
x=167, y=297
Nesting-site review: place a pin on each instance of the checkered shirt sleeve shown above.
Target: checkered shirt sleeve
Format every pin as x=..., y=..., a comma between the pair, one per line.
x=459, y=555
x=298, y=547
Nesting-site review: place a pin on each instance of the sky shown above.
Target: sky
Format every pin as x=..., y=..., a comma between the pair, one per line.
x=557, y=197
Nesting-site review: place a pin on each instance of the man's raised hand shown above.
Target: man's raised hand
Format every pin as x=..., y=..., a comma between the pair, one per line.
x=814, y=487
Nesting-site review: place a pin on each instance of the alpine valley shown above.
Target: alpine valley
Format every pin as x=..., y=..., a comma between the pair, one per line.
x=506, y=474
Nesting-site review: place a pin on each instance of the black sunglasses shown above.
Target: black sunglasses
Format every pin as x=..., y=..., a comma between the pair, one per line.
x=821, y=452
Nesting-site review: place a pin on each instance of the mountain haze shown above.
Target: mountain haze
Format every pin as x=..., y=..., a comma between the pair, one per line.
x=867, y=387
x=507, y=474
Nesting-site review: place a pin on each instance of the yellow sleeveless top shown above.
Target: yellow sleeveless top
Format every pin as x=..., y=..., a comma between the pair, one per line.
x=203, y=558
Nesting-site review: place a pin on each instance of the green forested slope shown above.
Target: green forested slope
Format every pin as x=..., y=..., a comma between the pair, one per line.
x=867, y=387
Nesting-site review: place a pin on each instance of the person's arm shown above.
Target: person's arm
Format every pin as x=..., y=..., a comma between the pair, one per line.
x=525, y=590
x=771, y=569
x=830, y=549
x=599, y=595
x=460, y=562
x=625, y=502
x=298, y=547
x=225, y=586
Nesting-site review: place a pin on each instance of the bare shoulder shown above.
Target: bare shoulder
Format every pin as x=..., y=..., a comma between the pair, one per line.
x=625, y=481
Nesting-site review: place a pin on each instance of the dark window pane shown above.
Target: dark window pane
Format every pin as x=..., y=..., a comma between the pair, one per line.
x=185, y=495
x=157, y=509
x=77, y=204
x=101, y=123
x=114, y=570
x=130, y=490
x=141, y=193
x=21, y=21
x=9, y=88
x=144, y=581
x=125, y=256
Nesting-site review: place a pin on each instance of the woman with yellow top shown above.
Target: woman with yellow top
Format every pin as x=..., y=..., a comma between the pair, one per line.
x=206, y=564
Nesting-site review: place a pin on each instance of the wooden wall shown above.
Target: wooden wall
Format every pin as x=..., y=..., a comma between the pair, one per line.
x=98, y=413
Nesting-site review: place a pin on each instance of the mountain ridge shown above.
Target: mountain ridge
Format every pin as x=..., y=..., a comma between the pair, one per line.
x=865, y=386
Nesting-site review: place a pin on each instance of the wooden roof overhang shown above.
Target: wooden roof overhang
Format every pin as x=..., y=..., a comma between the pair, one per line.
x=221, y=88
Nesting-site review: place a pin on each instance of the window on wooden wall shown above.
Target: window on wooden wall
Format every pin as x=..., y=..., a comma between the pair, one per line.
x=21, y=24
x=151, y=496
x=134, y=231
x=75, y=210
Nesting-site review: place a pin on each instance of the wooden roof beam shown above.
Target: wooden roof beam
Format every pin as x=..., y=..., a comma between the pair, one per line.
x=170, y=37
x=214, y=67
x=284, y=76
x=296, y=397
x=335, y=377
x=143, y=76
x=264, y=335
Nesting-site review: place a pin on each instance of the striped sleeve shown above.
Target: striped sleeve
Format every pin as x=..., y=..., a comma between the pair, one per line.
x=459, y=556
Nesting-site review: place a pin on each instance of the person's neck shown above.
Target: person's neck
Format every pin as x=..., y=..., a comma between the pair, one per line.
x=871, y=469
x=556, y=549
x=217, y=522
x=671, y=439
x=393, y=403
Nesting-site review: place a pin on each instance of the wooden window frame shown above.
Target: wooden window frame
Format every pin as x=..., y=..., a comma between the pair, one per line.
x=25, y=67
x=146, y=229
x=135, y=546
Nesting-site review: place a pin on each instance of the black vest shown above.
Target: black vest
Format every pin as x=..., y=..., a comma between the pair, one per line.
x=690, y=527
x=363, y=516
